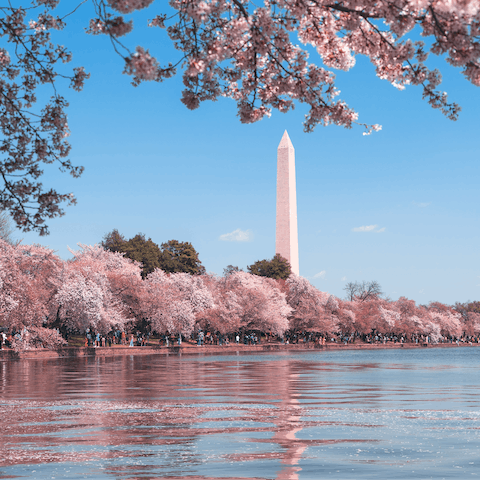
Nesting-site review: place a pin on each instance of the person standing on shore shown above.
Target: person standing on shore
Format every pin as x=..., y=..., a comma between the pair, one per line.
x=131, y=340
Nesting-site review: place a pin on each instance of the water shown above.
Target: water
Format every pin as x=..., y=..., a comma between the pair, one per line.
x=338, y=415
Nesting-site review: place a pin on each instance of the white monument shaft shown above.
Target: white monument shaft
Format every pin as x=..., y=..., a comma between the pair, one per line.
x=286, y=238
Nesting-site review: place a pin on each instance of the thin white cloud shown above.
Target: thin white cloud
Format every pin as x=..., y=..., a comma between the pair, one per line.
x=369, y=228
x=365, y=228
x=421, y=204
x=343, y=279
x=320, y=274
x=237, y=236
x=421, y=291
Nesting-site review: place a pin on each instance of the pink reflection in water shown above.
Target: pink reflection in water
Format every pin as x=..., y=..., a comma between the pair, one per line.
x=160, y=409
x=172, y=406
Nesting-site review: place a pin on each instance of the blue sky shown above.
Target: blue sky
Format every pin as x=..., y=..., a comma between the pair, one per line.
x=152, y=166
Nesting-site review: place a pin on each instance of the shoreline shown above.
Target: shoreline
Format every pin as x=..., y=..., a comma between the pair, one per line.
x=192, y=349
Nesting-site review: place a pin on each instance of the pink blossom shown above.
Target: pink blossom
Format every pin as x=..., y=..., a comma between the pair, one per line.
x=313, y=310
x=158, y=21
x=95, y=290
x=128, y=6
x=27, y=283
x=141, y=65
x=172, y=301
x=38, y=337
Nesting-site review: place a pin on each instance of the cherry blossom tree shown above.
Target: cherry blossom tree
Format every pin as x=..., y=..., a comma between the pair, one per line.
x=257, y=54
x=470, y=312
x=28, y=276
x=171, y=301
x=243, y=302
x=38, y=337
x=473, y=323
x=249, y=52
x=313, y=311
x=366, y=314
x=409, y=320
x=224, y=315
x=432, y=330
x=256, y=303
x=94, y=289
x=448, y=320
x=375, y=314
x=401, y=317
x=346, y=317
x=10, y=279
x=391, y=319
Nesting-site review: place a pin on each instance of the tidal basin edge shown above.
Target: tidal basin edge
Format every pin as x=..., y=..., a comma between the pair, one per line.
x=72, y=352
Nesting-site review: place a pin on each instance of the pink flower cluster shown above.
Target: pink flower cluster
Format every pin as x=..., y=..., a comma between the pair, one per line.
x=129, y=6
x=235, y=49
x=114, y=26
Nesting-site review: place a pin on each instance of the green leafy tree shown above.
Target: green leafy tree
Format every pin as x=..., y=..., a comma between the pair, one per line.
x=113, y=241
x=137, y=248
x=180, y=257
x=145, y=251
x=278, y=268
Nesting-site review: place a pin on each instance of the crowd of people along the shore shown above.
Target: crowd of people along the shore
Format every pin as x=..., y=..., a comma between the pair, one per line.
x=200, y=338
x=109, y=299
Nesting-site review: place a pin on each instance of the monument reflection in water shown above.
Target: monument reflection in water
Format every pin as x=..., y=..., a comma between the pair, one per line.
x=382, y=414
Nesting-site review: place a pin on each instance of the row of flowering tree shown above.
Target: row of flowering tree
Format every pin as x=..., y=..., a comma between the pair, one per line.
x=42, y=296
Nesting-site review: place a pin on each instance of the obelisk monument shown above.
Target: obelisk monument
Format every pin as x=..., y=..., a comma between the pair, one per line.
x=286, y=237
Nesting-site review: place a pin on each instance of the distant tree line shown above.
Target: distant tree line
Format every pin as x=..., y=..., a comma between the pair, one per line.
x=136, y=284
x=44, y=298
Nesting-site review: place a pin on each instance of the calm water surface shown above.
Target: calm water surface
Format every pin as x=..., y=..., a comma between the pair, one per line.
x=337, y=415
